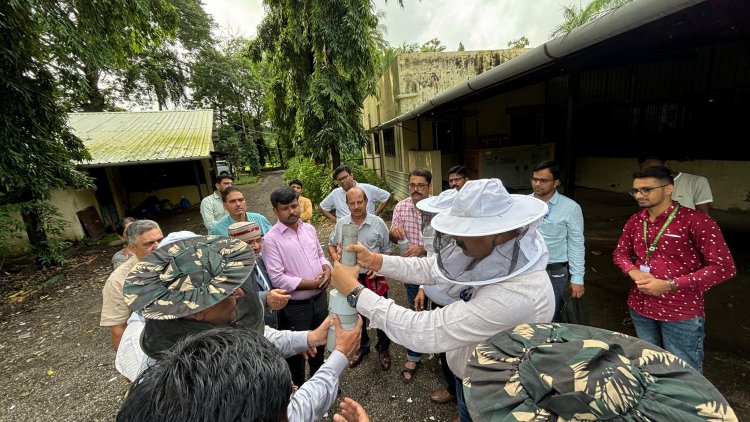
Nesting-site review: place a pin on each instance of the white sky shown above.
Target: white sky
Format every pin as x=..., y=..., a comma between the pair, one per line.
x=479, y=24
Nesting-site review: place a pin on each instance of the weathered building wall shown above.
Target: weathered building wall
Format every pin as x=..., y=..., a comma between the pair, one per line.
x=414, y=78
x=68, y=203
x=729, y=180
x=430, y=74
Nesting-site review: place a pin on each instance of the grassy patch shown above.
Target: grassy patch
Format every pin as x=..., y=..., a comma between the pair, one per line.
x=246, y=179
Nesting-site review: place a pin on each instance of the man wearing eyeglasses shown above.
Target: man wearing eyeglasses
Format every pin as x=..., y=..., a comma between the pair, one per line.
x=562, y=230
x=236, y=205
x=457, y=177
x=337, y=198
x=673, y=255
x=143, y=237
x=272, y=299
x=407, y=223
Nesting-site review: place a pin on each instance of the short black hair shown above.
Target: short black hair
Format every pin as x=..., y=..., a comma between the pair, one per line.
x=221, y=177
x=228, y=190
x=284, y=195
x=422, y=172
x=296, y=182
x=663, y=174
x=552, y=165
x=340, y=169
x=459, y=169
x=223, y=374
x=122, y=223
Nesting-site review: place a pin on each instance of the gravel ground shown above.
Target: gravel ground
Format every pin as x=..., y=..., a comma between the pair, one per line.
x=56, y=363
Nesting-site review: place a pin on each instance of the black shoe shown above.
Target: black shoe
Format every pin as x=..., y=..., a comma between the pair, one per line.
x=357, y=359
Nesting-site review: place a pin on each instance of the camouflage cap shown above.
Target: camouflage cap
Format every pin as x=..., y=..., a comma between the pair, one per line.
x=554, y=372
x=188, y=276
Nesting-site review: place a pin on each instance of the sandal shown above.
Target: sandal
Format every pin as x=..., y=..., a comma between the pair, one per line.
x=411, y=371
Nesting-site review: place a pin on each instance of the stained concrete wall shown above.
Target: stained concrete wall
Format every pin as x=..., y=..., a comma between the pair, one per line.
x=68, y=203
x=414, y=78
x=729, y=180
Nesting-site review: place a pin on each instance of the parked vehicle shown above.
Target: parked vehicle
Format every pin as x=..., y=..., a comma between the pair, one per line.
x=222, y=167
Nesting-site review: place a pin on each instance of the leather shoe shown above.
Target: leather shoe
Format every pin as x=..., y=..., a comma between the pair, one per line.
x=442, y=396
x=385, y=360
x=357, y=359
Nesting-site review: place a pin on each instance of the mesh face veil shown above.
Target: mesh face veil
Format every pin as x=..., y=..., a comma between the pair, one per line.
x=519, y=255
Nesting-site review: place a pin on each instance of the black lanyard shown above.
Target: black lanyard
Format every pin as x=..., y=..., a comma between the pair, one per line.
x=650, y=249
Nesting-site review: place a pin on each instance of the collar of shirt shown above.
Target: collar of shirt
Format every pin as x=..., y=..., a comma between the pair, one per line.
x=283, y=227
x=659, y=218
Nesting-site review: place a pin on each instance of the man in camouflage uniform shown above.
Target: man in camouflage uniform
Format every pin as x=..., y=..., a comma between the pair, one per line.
x=193, y=285
x=549, y=372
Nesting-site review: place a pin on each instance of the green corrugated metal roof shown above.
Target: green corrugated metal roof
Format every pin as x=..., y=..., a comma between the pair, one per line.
x=144, y=137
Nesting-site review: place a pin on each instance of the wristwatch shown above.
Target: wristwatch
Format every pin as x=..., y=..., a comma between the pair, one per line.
x=351, y=298
x=673, y=287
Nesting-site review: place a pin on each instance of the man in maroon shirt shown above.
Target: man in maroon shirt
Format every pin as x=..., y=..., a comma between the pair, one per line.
x=674, y=255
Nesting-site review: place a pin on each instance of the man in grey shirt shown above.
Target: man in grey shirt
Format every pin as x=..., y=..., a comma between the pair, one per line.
x=373, y=233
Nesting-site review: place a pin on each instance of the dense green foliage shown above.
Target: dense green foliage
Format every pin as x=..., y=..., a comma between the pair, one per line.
x=51, y=50
x=323, y=60
x=226, y=80
x=318, y=180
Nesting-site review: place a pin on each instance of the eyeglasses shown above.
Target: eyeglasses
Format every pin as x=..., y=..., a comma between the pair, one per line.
x=341, y=179
x=542, y=181
x=258, y=241
x=456, y=180
x=151, y=243
x=419, y=186
x=644, y=191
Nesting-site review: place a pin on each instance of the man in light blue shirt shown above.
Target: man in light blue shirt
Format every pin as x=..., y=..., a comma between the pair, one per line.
x=373, y=233
x=234, y=203
x=212, y=207
x=562, y=229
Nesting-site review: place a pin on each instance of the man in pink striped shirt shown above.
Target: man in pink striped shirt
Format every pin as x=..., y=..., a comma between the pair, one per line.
x=407, y=223
x=295, y=262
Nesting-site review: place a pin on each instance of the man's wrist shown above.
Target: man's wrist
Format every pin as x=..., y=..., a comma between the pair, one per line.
x=673, y=287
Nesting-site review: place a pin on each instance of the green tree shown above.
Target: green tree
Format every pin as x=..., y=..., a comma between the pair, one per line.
x=135, y=50
x=433, y=45
x=576, y=16
x=55, y=49
x=159, y=75
x=461, y=46
x=226, y=80
x=324, y=61
x=519, y=42
x=38, y=147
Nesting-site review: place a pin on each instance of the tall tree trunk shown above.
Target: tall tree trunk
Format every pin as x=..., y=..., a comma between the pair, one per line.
x=335, y=156
x=281, y=156
x=259, y=144
x=95, y=99
x=33, y=230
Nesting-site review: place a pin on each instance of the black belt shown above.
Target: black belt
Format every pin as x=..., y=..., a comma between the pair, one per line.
x=555, y=266
x=304, y=301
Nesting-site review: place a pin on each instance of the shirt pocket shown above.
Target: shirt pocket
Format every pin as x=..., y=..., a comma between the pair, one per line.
x=554, y=229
